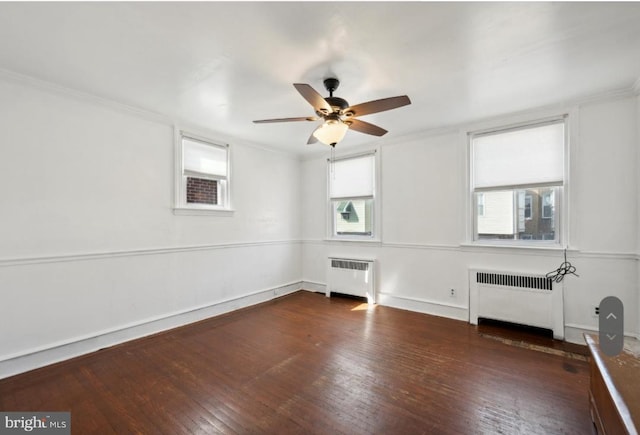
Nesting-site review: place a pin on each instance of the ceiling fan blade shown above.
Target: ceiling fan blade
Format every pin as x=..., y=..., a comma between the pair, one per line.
x=302, y=118
x=376, y=106
x=313, y=97
x=365, y=127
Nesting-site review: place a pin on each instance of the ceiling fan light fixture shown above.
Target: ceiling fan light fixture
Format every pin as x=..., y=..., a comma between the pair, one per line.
x=331, y=132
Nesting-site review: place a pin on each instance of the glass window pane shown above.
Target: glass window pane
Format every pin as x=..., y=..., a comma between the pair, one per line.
x=202, y=191
x=497, y=220
x=518, y=214
x=353, y=217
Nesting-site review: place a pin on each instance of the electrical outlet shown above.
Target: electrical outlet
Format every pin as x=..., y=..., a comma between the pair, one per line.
x=453, y=293
x=595, y=312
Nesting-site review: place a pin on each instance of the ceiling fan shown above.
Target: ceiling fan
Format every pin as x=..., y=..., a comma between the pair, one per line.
x=338, y=115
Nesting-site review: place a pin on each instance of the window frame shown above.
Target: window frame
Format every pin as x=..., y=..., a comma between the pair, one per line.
x=181, y=206
x=375, y=198
x=561, y=208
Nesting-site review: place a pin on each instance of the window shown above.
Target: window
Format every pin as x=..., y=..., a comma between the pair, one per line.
x=352, y=196
x=527, y=206
x=547, y=205
x=203, y=178
x=517, y=182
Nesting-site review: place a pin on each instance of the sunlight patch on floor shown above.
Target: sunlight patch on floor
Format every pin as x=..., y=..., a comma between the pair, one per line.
x=364, y=307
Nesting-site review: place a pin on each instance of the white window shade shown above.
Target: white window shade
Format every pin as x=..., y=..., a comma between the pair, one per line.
x=200, y=159
x=531, y=156
x=352, y=177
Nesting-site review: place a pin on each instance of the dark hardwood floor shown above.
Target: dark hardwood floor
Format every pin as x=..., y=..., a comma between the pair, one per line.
x=308, y=364
x=531, y=338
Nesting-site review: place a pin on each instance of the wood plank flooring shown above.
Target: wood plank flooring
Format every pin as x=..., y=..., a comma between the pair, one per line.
x=530, y=338
x=308, y=364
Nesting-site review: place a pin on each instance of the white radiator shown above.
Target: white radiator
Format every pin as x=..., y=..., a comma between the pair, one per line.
x=351, y=277
x=531, y=300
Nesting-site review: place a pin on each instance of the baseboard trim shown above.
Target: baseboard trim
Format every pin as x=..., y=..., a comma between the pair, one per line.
x=435, y=308
x=316, y=287
x=425, y=306
x=35, y=358
x=573, y=332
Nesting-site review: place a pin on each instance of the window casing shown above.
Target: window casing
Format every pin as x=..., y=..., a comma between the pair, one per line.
x=517, y=183
x=202, y=174
x=352, y=196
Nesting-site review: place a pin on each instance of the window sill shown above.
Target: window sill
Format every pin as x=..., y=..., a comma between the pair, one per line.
x=352, y=239
x=183, y=211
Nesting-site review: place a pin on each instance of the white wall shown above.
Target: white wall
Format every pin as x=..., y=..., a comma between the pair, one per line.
x=424, y=251
x=604, y=174
x=421, y=183
x=91, y=252
x=604, y=210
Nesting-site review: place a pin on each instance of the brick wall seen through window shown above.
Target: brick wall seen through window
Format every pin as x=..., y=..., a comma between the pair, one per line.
x=202, y=191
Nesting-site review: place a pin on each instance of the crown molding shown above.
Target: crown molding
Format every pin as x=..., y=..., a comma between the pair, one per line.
x=86, y=97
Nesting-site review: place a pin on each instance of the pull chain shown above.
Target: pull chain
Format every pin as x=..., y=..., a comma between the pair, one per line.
x=333, y=171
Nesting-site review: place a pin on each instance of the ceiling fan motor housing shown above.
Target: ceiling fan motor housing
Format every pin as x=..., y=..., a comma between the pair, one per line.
x=337, y=102
x=331, y=84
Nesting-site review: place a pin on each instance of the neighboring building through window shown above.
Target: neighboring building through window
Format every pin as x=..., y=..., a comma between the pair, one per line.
x=352, y=196
x=204, y=174
x=547, y=204
x=527, y=206
x=518, y=177
x=202, y=191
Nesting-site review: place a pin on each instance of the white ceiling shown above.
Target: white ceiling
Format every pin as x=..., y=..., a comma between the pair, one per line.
x=221, y=65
